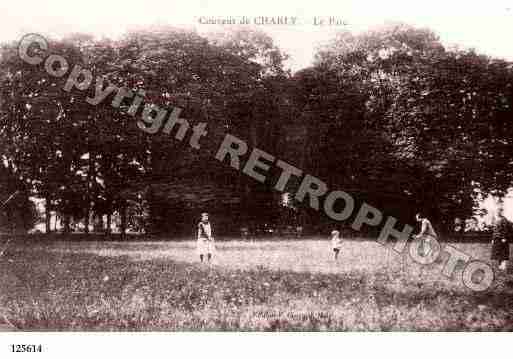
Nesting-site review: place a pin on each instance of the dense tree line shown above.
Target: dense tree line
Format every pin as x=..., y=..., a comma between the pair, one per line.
x=390, y=116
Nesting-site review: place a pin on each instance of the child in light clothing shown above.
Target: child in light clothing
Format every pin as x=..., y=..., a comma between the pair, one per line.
x=427, y=235
x=336, y=242
x=205, y=244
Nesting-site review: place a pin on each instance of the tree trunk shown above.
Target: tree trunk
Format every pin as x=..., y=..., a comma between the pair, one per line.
x=48, y=214
x=462, y=228
x=109, y=222
x=123, y=214
x=90, y=179
x=55, y=222
x=86, y=219
x=98, y=223
x=66, y=224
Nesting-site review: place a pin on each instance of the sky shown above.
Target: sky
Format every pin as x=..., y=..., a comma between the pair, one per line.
x=486, y=26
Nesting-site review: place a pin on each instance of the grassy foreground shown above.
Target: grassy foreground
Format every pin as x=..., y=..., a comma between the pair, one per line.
x=127, y=286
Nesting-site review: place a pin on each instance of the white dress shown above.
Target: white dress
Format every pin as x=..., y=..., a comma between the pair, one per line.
x=336, y=242
x=205, y=242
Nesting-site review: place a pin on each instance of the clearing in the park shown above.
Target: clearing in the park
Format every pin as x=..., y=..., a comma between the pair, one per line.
x=265, y=285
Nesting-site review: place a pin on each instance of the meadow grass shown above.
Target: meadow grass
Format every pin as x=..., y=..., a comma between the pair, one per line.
x=264, y=285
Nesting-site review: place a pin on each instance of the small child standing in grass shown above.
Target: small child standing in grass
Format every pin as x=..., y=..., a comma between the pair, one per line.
x=336, y=242
x=205, y=241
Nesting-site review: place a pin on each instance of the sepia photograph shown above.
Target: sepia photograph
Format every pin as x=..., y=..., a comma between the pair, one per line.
x=255, y=167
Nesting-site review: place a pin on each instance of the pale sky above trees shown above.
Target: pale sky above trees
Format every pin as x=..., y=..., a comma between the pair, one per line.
x=485, y=26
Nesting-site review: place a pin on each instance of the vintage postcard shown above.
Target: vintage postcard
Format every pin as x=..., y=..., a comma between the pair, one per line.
x=272, y=166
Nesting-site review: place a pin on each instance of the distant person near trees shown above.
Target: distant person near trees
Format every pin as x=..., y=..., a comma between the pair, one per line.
x=501, y=239
x=427, y=235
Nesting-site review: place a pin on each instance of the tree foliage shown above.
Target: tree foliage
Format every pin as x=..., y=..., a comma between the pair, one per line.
x=390, y=116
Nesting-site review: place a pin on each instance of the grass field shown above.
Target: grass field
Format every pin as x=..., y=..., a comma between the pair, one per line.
x=267, y=285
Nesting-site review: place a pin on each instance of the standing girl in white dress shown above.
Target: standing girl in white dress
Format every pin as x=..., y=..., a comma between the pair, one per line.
x=205, y=244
